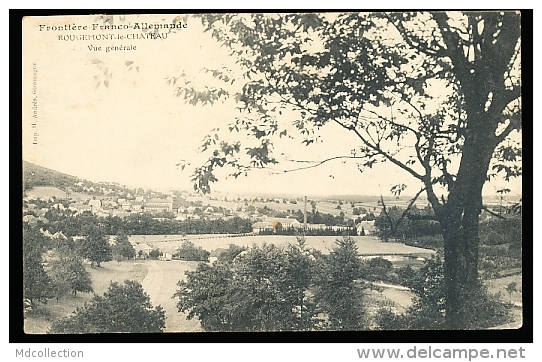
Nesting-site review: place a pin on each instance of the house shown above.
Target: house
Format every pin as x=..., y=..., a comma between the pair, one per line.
x=285, y=222
x=181, y=217
x=209, y=210
x=31, y=219
x=95, y=205
x=119, y=213
x=46, y=233
x=367, y=227
x=59, y=235
x=316, y=226
x=144, y=248
x=137, y=205
x=158, y=205
x=243, y=215
x=256, y=227
x=273, y=222
x=83, y=208
x=166, y=256
x=43, y=220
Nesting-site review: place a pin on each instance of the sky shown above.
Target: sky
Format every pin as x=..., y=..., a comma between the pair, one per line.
x=135, y=131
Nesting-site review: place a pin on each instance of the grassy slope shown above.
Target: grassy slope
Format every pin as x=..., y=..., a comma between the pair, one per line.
x=101, y=277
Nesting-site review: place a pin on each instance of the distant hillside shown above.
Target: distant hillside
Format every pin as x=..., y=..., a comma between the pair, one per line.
x=35, y=175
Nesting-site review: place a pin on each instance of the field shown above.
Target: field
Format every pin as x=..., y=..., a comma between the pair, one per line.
x=159, y=280
x=367, y=245
x=47, y=191
x=112, y=271
x=161, y=284
x=499, y=285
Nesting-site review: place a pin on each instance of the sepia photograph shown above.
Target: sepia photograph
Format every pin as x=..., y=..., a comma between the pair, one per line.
x=272, y=172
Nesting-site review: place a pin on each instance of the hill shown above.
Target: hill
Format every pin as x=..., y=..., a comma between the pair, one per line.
x=43, y=180
x=35, y=175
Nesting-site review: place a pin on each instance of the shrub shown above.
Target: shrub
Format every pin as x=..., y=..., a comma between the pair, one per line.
x=484, y=310
x=155, y=253
x=262, y=290
x=189, y=252
x=122, y=308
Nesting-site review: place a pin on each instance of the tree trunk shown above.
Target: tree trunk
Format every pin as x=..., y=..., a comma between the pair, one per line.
x=459, y=220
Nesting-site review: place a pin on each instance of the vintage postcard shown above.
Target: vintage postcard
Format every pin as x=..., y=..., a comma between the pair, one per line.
x=272, y=172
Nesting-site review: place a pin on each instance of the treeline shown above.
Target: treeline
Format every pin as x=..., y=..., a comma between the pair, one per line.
x=144, y=224
x=416, y=223
x=315, y=217
x=270, y=288
x=310, y=232
x=53, y=267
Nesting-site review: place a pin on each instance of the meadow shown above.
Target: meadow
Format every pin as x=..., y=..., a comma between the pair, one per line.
x=367, y=245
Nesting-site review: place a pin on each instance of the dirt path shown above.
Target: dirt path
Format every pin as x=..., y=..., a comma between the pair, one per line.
x=161, y=283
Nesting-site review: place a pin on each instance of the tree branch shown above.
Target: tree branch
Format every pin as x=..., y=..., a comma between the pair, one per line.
x=484, y=207
x=409, y=39
x=410, y=204
x=317, y=163
x=379, y=151
x=515, y=123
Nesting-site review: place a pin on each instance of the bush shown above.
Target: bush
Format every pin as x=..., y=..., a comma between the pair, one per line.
x=338, y=291
x=433, y=242
x=262, y=290
x=155, y=253
x=482, y=310
x=229, y=254
x=495, y=231
x=122, y=308
x=189, y=252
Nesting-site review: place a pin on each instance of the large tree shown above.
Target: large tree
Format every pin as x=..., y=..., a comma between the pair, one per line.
x=122, y=308
x=262, y=289
x=338, y=288
x=95, y=246
x=66, y=269
x=37, y=285
x=122, y=247
x=437, y=94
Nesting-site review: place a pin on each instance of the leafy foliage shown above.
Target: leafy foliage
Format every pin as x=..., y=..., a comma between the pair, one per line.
x=373, y=74
x=95, y=246
x=417, y=223
x=263, y=289
x=145, y=224
x=122, y=308
x=155, y=253
x=67, y=271
x=123, y=247
x=378, y=269
x=36, y=282
x=229, y=254
x=189, y=252
x=338, y=289
x=483, y=310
